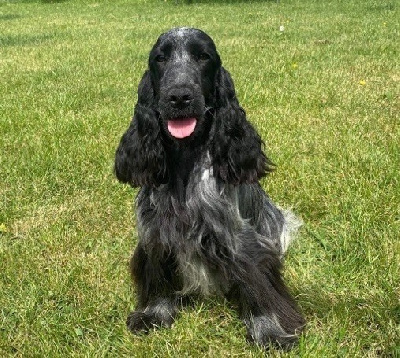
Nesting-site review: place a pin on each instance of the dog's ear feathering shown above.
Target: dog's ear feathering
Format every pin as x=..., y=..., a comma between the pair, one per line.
x=237, y=149
x=140, y=157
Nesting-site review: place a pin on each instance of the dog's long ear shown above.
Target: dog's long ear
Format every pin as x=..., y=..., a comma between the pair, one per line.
x=140, y=158
x=237, y=149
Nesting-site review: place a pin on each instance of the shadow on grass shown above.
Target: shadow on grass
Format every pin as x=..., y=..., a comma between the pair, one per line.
x=23, y=40
x=39, y=1
x=323, y=308
x=52, y=1
x=8, y=17
x=189, y=2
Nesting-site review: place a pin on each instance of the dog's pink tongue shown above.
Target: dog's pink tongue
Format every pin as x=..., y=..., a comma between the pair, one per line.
x=181, y=128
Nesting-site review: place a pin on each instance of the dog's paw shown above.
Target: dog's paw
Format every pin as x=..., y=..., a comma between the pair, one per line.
x=266, y=332
x=267, y=340
x=139, y=321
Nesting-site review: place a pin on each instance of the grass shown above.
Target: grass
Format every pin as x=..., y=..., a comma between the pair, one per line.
x=324, y=95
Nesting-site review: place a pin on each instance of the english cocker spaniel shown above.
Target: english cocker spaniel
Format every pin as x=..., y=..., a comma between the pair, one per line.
x=205, y=224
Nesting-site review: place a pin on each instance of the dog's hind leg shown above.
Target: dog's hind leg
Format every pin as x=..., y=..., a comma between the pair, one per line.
x=157, y=304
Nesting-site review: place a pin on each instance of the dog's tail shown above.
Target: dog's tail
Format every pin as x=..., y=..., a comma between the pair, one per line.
x=290, y=228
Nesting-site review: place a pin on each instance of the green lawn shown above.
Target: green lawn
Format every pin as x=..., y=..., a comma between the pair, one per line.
x=324, y=94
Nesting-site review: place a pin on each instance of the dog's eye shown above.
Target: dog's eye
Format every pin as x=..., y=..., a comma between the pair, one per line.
x=203, y=56
x=161, y=58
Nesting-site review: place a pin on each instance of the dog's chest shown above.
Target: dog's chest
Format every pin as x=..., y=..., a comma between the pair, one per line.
x=195, y=230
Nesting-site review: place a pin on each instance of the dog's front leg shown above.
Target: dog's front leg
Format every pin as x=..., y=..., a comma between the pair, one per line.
x=263, y=324
x=265, y=305
x=157, y=302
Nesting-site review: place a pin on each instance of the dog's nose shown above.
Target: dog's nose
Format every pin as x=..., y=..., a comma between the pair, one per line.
x=180, y=97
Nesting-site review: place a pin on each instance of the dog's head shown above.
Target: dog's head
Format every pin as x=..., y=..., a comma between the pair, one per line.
x=187, y=97
x=183, y=67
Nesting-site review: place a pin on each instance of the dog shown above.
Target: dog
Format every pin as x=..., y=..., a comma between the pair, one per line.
x=205, y=225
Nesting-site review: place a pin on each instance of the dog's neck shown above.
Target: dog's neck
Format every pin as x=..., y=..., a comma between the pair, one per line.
x=181, y=162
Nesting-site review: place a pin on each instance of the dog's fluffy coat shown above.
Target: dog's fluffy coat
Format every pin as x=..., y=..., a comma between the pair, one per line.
x=205, y=225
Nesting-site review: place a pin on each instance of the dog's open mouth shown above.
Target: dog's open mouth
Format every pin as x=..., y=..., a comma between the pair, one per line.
x=181, y=127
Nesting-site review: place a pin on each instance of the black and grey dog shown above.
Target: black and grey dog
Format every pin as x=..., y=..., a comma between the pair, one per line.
x=205, y=224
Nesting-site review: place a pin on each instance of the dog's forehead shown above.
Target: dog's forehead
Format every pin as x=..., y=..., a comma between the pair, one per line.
x=183, y=35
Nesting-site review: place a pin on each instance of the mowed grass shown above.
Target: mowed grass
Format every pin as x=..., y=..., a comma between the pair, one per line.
x=324, y=94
